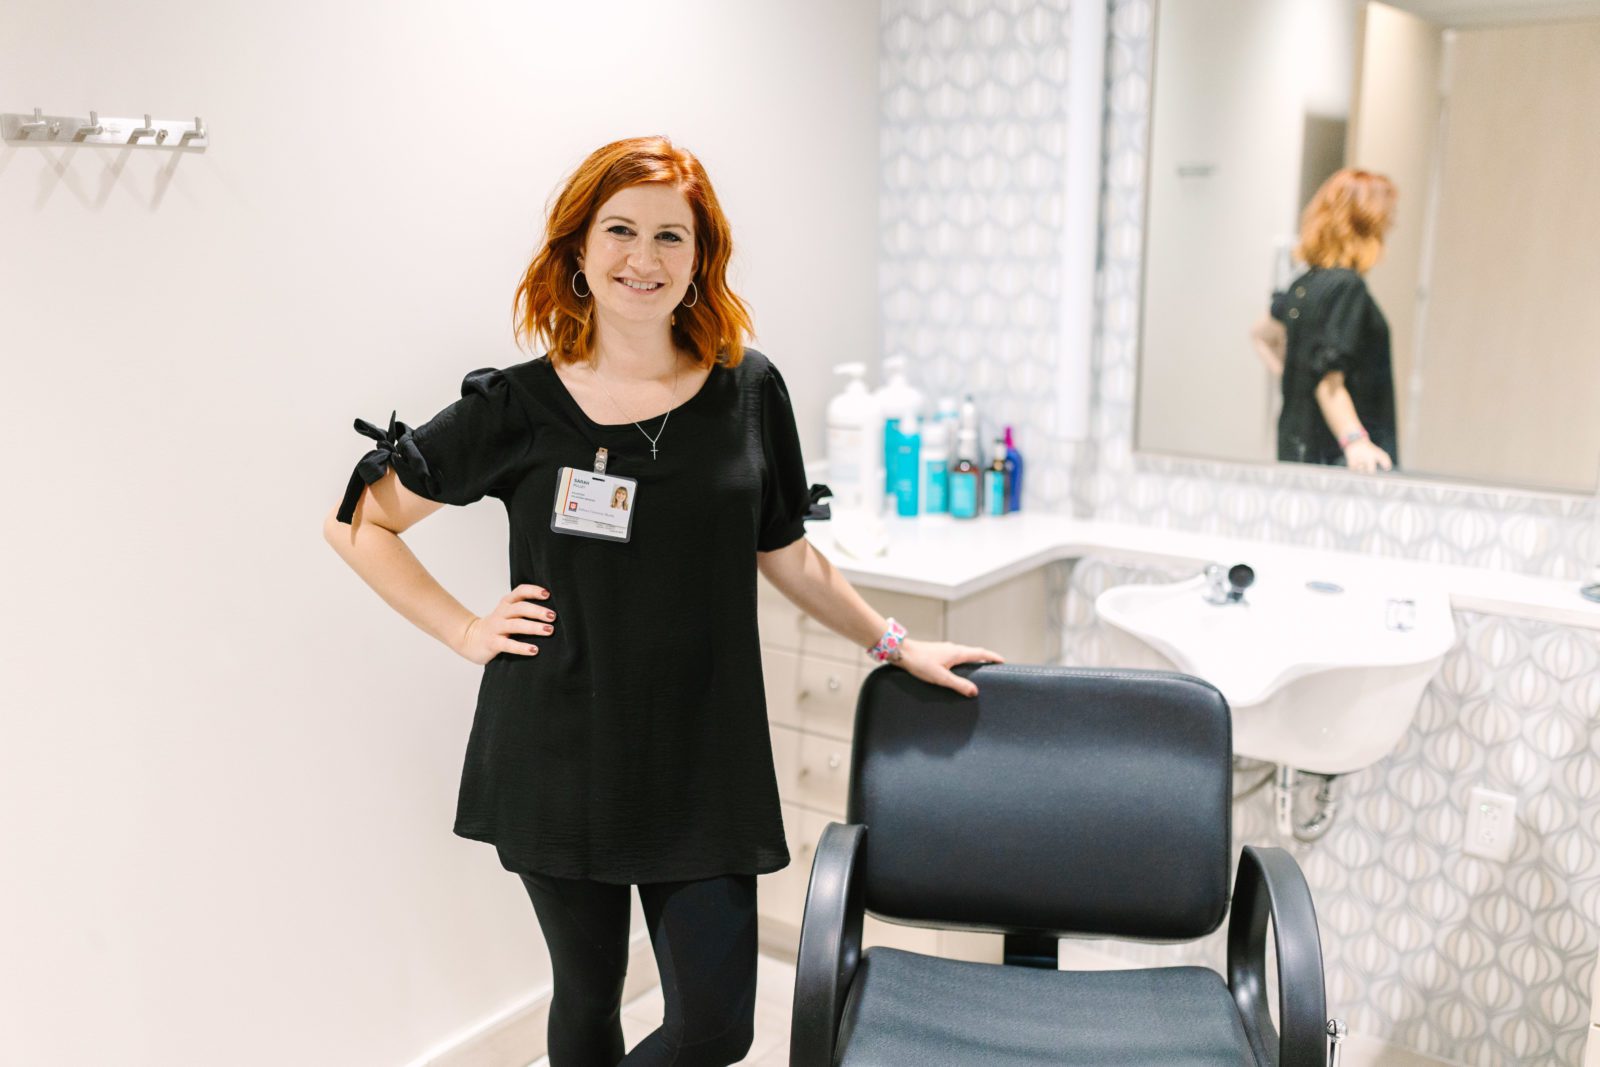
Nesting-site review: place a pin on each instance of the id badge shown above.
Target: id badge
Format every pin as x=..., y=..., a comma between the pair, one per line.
x=594, y=504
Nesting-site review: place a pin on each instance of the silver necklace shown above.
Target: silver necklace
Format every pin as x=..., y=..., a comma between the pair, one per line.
x=642, y=430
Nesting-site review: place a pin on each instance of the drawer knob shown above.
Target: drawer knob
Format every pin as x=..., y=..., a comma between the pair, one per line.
x=833, y=681
x=833, y=761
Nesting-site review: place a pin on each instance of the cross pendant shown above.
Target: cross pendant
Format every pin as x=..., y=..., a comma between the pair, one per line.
x=652, y=451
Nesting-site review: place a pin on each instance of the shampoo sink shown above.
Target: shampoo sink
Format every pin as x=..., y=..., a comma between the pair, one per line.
x=1316, y=677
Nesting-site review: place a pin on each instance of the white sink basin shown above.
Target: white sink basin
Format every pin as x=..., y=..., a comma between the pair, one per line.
x=1317, y=681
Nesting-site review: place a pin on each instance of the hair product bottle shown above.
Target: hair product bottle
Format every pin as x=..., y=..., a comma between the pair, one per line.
x=994, y=480
x=895, y=396
x=964, y=477
x=905, y=463
x=936, y=467
x=853, y=445
x=1013, y=474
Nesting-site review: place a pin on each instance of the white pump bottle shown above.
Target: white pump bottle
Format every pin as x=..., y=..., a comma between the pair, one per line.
x=855, y=467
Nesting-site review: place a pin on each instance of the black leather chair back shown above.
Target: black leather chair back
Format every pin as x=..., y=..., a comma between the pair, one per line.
x=1058, y=801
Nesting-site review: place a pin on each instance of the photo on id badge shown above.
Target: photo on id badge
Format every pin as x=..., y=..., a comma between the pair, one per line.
x=593, y=504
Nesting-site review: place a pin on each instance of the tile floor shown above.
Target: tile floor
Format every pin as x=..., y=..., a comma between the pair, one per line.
x=774, y=1005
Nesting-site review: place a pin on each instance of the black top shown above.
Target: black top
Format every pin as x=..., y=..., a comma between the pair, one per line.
x=634, y=747
x=1333, y=324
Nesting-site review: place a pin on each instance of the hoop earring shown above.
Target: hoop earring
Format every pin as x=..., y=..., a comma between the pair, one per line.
x=575, y=292
x=696, y=293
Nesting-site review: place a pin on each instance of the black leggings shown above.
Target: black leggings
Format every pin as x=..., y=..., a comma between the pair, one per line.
x=704, y=936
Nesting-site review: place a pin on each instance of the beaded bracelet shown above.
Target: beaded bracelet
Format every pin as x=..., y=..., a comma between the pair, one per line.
x=1351, y=438
x=888, y=648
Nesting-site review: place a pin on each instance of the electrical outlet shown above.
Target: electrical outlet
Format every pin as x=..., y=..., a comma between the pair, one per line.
x=1491, y=824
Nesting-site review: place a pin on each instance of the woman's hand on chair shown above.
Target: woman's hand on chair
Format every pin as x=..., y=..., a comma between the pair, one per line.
x=931, y=661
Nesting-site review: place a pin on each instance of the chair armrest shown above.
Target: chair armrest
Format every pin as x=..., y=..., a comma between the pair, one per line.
x=1270, y=881
x=830, y=945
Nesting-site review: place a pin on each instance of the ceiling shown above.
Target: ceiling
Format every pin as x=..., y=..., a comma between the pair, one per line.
x=1489, y=12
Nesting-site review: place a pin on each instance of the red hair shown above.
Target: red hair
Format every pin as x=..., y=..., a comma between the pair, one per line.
x=1345, y=222
x=547, y=308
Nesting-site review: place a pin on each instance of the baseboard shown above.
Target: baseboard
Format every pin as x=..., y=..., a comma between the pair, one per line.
x=516, y=1038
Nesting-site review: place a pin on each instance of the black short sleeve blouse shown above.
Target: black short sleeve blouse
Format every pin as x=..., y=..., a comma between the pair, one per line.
x=634, y=747
x=1333, y=324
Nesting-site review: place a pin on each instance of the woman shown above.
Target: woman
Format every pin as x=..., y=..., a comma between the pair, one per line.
x=1328, y=337
x=631, y=746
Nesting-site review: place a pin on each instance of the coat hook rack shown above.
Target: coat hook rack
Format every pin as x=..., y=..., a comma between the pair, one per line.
x=41, y=129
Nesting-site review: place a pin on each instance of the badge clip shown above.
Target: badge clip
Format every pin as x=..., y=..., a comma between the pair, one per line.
x=600, y=461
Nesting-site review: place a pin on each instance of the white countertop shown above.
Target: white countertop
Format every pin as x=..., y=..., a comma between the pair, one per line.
x=937, y=556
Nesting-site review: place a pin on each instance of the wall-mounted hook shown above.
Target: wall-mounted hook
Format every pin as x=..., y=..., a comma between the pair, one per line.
x=147, y=130
x=94, y=127
x=41, y=130
x=38, y=125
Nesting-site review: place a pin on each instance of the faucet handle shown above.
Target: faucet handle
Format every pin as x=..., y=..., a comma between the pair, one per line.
x=1227, y=587
x=1216, y=584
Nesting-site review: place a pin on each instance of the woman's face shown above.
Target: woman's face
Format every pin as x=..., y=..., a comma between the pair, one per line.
x=644, y=235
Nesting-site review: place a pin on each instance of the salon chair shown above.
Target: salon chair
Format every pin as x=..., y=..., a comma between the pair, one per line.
x=1058, y=802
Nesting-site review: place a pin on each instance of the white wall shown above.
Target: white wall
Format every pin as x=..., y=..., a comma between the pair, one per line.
x=228, y=770
x=1519, y=165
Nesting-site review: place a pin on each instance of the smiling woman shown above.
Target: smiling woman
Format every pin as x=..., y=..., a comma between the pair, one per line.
x=628, y=742
x=658, y=239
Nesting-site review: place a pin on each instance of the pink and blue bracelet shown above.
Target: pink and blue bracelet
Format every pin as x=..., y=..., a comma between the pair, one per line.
x=888, y=648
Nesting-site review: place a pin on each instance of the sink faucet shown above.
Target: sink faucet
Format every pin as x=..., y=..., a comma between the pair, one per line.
x=1227, y=587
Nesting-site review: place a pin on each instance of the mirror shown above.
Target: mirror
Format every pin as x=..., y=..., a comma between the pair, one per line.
x=1480, y=318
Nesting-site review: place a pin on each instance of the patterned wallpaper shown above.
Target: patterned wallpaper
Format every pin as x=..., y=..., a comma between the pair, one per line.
x=972, y=208
x=1462, y=959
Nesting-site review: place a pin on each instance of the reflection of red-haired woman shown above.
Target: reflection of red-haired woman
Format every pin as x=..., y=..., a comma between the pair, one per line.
x=1327, y=336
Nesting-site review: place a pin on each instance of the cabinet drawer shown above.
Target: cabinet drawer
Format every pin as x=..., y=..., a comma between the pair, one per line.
x=782, y=894
x=922, y=616
x=780, y=679
x=825, y=695
x=786, y=760
x=951, y=944
x=823, y=778
x=785, y=626
x=777, y=619
x=812, y=826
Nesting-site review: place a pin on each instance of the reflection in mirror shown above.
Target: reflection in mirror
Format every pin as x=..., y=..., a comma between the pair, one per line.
x=1373, y=237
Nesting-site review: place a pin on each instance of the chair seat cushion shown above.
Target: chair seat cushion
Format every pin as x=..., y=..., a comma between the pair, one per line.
x=905, y=1009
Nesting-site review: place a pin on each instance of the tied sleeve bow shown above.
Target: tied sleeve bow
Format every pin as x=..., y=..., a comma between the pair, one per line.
x=396, y=445
x=816, y=509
